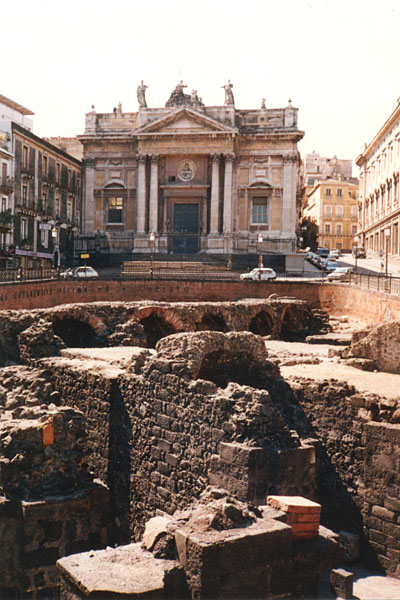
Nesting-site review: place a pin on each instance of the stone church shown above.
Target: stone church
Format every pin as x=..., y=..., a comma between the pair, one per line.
x=189, y=178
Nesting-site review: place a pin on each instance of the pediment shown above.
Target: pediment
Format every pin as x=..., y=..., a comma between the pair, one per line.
x=184, y=121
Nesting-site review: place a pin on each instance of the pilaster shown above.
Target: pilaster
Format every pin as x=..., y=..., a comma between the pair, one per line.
x=141, y=194
x=214, y=194
x=227, y=215
x=288, y=216
x=153, y=217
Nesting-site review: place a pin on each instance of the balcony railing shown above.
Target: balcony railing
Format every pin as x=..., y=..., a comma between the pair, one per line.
x=6, y=184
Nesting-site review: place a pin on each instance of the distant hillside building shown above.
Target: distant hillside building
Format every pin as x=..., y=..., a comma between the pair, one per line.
x=379, y=189
x=189, y=178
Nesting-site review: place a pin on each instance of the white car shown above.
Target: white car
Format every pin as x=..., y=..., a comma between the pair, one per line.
x=259, y=274
x=84, y=272
x=340, y=273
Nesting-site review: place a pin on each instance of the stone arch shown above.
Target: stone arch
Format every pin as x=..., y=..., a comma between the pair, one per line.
x=158, y=323
x=222, y=367
x=156, y=328
x=77, y=334
x=211, y=322
x=262, y=323
x=79, y=329
x=295, y=323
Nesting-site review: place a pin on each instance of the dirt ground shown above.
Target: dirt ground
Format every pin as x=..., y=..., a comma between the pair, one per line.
x=298, y=359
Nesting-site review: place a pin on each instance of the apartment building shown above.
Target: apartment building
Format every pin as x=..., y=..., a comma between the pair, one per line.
x=333, y=206
x=379, y=165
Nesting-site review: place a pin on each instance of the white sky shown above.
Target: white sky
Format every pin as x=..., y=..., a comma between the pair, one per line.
x=337, y=59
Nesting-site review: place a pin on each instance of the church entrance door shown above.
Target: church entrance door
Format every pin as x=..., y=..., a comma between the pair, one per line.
x=186, y=229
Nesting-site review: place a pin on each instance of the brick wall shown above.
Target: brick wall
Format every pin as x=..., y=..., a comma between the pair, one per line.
x=335, y=299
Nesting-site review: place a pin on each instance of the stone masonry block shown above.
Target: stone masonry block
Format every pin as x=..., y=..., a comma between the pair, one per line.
x=383, y=513
x=342, y=583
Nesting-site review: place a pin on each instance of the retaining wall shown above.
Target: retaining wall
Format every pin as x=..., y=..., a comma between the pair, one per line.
x=369, y=305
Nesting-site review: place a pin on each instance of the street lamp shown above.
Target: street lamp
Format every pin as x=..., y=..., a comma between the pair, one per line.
x=387, y=235
x=356, y=240
x=153, y=244
x=259, y=245
x=56, y=258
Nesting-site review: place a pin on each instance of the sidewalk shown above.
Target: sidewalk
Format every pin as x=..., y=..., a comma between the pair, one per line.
x=372, y=264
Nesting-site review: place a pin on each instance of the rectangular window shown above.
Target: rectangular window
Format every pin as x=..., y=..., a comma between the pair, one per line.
x=44, y=238
x=339, y=212
x=57, y=207
x=328, y=192
x=58, y=173
x=339, y=192
x=353, y=229
x=354, y=212
x=24, y=195
x=327, y=228
x=44, y=166
x=25, y=157
x=115, y=208
x=4, y=204
x=260, y=210
x=338, y=229
x=69, y=209
x=24, y=229
x=328, y=211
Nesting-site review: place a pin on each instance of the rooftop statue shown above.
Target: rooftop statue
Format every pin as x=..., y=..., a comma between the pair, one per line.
x=141, y=95
x=229, y=99
x=179, y=98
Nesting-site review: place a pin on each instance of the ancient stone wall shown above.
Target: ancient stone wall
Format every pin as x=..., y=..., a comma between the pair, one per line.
x=34, y=535
x=381, y=507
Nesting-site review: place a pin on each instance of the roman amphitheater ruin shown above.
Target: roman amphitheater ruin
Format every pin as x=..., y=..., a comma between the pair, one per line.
x=196, y=439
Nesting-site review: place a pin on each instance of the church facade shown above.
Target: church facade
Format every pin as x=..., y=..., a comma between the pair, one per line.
x=188, y=178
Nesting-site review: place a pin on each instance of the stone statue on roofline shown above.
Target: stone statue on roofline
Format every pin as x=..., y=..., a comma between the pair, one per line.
x=179, y=98
x=141, y=95
x=229, y=99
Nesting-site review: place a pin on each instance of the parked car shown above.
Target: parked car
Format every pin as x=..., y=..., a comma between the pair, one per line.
x=359, y=252
x=84, y=272
x=323, y=252
x=259, y=274
x=334, y=254
x=330, y=265
x=341, y=273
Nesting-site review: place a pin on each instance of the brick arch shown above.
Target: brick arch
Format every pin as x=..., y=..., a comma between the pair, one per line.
x=211, y=321
x=78, y=328
x=262, y=323
x=294, y=322
x=158, y=322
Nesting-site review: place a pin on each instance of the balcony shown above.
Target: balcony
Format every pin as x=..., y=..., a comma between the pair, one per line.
x=6, y=219
x=27, y=172
x=6, y=185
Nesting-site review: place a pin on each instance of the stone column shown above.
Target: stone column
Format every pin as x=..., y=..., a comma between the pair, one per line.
x=153, y=219
x=141, y=194
x=227, y=224
x=288, y=216
x=214, y=194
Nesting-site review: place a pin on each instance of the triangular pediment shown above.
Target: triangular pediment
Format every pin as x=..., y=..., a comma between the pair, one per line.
x=185, y=121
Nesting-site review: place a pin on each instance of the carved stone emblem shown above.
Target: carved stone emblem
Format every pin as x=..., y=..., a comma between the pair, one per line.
x=186, y=170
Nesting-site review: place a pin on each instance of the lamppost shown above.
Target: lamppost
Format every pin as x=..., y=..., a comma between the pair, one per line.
x=259, y=247
x=387, y=235
x=356, y=240
x=56, y=253
x=153, y=245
